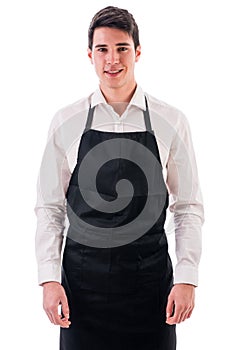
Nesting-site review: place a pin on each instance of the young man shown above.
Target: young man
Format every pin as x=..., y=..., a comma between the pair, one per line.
x=114, y=184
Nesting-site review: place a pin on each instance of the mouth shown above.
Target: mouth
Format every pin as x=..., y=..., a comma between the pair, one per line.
x=113, y=73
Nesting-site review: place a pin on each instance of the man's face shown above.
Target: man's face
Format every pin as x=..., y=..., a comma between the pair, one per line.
x=113, y=56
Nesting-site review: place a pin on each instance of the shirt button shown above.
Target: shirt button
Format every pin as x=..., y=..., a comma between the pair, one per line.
x=117, y=126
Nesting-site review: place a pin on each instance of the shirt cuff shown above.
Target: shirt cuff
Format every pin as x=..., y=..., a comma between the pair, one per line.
x=49, y=273
x=186, y=274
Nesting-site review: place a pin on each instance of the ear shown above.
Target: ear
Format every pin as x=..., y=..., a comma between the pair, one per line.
x=89, y=53
x=137, y=53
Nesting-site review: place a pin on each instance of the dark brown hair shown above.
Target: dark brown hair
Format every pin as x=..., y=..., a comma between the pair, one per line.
x=114, y=17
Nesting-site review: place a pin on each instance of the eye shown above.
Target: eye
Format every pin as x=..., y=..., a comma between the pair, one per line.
x=102, y=49
x=122, y=48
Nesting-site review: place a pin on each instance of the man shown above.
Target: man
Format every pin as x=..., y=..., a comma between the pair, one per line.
x=114, y=184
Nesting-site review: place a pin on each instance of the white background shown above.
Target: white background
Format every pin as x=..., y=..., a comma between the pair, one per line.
x=187, y=62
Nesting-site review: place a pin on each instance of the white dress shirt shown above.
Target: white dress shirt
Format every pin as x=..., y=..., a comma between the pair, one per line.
x=179, y=171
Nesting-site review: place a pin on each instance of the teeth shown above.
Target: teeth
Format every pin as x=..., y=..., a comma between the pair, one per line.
x=114, y=71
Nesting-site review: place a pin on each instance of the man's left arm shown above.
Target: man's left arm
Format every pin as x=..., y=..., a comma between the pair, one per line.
x=187, y=205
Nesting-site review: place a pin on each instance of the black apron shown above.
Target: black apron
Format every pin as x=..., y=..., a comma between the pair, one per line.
x=117, y=295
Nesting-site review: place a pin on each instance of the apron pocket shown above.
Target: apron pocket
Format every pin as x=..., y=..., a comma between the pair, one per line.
x=112, y=271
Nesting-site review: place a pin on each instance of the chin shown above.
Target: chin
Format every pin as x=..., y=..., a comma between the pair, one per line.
x=111, y=85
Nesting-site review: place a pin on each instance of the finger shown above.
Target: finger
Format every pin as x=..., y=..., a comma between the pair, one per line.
x=54, y=315
x=65, y=323
x=186, y=314
x=170, y=307
x=49, y=316
x=65, y=307
x=183, y=316
x=49, y=313
x=57, y=320
x=189, y=314
x=177, y=315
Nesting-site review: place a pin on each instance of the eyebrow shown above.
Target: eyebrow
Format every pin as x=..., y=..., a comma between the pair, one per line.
x=118, y=44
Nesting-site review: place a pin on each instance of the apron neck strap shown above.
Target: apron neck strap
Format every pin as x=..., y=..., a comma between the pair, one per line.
x=147, y=117
x=145, y=113
x=89, y=118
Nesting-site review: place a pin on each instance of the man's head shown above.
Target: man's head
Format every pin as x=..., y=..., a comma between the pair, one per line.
x=113, y=50
x=114, y=17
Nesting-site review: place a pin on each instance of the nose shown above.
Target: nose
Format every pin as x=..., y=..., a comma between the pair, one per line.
x=112, y=57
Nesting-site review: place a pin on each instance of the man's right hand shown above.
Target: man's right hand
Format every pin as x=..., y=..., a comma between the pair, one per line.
x=53, y=296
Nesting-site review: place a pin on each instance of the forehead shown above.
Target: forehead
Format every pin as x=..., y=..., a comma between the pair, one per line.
x=111, y=36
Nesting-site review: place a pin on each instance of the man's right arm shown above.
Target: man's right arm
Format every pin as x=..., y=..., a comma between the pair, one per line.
x=50, y=210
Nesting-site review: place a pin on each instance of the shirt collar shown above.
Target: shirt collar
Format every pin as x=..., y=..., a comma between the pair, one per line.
x=137, y=100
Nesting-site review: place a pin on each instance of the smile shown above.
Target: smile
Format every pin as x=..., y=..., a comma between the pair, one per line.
x=113, y=73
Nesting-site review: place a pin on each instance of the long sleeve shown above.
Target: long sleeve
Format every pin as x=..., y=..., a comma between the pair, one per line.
x=185, y=203
x=50, y=207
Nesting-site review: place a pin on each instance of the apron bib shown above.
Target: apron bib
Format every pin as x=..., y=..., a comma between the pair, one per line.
x=117, y=294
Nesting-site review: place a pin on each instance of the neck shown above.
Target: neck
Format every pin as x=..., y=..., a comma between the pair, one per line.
x=123, y=94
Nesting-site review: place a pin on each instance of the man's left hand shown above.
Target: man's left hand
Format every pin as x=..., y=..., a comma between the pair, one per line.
x=180, y=303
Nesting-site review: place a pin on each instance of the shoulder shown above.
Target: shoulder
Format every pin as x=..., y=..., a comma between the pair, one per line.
x=168, y=122
x=77, y=109
x=173, y=115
